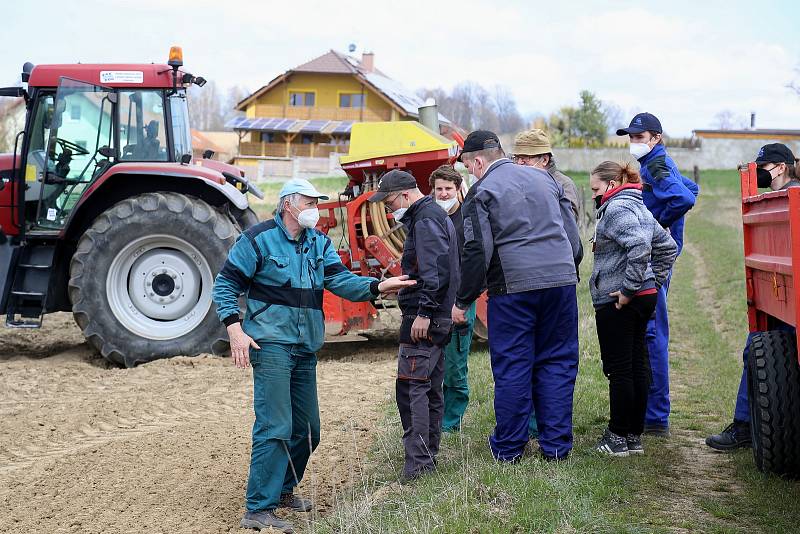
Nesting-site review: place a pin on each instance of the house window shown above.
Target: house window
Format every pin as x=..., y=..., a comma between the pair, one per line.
x=301, y=99
x=351, y=100
x=267, y=137
x=306, y=139
x=75, y=113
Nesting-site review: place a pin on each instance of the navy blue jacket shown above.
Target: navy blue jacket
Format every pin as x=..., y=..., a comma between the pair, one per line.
x=670, y=195
x=430, y=256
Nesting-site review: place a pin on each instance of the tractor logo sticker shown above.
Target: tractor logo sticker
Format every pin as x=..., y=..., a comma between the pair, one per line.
x=121, y=76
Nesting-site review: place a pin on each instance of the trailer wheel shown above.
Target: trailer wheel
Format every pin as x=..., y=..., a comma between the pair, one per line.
x=774, y=395
x=142, y=275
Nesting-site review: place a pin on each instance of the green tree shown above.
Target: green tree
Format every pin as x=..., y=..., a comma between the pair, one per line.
x=590, y=120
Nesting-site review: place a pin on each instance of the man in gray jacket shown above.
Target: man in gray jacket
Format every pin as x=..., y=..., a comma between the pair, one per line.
x=523, y=245
x=532, y=148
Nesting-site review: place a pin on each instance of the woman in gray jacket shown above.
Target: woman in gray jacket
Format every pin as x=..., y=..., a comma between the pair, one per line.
x=633, y=255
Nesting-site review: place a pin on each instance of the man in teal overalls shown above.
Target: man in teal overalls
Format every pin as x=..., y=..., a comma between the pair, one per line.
x=283, y=265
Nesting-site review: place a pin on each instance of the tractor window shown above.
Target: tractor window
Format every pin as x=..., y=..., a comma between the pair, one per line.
x=181, y=134
x=141, y=126
x=75, y=147
x=37, y=145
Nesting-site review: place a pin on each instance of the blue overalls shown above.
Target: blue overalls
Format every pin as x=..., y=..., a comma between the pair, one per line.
x=669, y=196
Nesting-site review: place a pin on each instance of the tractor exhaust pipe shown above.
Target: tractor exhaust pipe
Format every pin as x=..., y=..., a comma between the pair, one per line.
x=429, y=115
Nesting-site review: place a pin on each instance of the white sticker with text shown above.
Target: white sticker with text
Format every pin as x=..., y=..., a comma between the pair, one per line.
x=121, y=76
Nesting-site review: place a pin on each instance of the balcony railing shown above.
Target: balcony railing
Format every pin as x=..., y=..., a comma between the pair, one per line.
x=281, y=150
x=323, y=113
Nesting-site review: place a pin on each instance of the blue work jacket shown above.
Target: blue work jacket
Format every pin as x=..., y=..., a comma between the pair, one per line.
x=283, y=279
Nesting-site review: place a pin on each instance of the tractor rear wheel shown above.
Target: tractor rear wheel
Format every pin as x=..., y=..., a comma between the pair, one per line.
x=142, y=275
x=244, y=218
x=774, y=391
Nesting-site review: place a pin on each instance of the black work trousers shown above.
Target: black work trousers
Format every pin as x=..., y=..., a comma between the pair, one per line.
x=623, y=350
x=420, y=372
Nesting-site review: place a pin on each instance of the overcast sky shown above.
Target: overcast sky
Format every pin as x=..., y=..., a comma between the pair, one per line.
x=684, y=61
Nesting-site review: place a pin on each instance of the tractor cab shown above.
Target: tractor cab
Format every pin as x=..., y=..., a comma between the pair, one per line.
x=78, y=130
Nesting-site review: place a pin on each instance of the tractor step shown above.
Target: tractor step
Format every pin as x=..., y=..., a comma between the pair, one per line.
x=28, y=296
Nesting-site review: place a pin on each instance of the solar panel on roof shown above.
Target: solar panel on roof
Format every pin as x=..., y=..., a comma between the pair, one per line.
x=344, y=127
x=314, y=126
x=269, y=123
x=235, y=122
x=283, y=126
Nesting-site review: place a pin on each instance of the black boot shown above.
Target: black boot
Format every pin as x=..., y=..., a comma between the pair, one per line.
x=735, y=436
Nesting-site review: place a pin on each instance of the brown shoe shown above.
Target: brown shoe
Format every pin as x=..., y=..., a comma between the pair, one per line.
x=296, y=503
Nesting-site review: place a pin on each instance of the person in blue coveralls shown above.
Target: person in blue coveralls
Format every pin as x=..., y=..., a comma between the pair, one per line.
x=778, y=169
x=282, y=266
x=669, y=196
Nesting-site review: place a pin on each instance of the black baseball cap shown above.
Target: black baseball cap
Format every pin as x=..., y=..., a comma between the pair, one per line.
x=479, y=140
x=391, y=182
x=642, y=122
x=775, y=153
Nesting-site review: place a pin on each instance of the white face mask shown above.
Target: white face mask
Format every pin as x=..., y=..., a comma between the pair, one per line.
x=308, y=218
x=640, y=150
x=398, y=213
x=447, y=205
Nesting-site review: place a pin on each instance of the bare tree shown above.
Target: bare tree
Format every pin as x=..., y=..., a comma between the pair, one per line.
x=509, y=118
x=205, y=108
x=615, y=118
x=728, y=120
x=12, y=121
x=472, y=107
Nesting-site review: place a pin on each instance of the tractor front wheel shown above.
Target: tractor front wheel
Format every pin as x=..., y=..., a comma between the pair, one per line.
x=774, y=391
x=142, y=275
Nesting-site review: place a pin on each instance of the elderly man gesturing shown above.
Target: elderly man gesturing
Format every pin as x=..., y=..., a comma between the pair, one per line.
x=283, y=265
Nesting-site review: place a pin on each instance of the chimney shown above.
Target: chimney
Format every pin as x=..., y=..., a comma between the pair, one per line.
x=753, y=120
x=368, y=61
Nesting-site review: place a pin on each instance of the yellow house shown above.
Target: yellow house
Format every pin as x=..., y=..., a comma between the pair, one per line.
x=308, y=111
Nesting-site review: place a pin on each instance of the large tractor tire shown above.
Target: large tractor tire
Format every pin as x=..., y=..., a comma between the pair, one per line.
x=142, y=275
x=244, y=218
x=774, y=380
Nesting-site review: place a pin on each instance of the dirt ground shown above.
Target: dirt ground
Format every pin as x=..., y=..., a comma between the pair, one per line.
x=164, y=447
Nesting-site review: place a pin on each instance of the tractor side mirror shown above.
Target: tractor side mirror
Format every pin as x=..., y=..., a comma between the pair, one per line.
x=186, y=159
x=106, y=151
x=15, y=92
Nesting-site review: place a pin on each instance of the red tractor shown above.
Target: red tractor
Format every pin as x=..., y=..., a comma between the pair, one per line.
x=104, y=213
x=772, y=269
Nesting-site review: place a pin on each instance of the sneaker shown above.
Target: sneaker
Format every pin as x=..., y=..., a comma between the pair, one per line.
x=735, y=436
x=265, y=519
x=296, y=503
x=634, y=444
x=659, y=431
x=612, y=444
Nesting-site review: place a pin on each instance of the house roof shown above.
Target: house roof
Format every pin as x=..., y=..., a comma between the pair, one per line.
x=334, y=62
x=755, y=133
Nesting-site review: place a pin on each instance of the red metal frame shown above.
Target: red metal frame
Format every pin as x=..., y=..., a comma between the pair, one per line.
x=771, y=225
x=341, y=316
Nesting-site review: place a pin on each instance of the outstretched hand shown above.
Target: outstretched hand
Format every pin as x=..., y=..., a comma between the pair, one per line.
x=395, y=284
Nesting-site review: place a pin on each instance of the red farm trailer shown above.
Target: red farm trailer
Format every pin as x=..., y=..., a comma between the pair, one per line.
x=772, y=265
